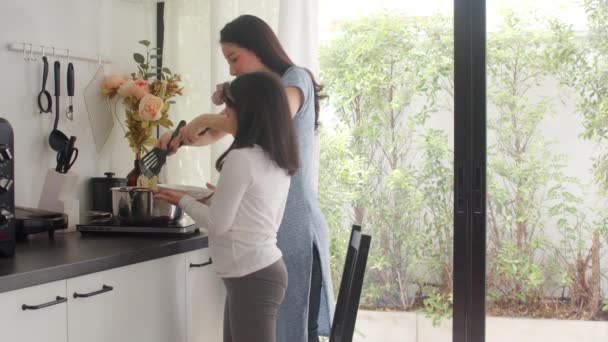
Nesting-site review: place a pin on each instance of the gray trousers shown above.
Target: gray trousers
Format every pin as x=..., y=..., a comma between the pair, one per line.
x=252, y=303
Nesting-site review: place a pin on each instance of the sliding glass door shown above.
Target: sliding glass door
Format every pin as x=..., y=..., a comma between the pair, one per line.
x=547, y=170
x=386, y=159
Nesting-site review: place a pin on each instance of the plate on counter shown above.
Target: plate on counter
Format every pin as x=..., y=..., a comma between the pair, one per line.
x=196, y=192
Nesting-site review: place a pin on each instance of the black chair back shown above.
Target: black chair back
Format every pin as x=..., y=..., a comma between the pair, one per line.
x=347, y=305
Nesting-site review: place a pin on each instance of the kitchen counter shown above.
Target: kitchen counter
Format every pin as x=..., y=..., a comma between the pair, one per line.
x=40, y=260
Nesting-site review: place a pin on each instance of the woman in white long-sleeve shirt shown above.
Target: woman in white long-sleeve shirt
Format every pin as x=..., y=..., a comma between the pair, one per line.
x=245, y=212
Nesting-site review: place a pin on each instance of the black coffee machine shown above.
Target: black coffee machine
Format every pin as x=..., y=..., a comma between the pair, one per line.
x=7, y=194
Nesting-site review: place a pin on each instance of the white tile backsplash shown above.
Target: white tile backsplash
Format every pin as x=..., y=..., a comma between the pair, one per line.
x=87, y=27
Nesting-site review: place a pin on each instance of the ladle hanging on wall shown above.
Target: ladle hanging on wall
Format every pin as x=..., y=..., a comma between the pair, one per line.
x=57, y=139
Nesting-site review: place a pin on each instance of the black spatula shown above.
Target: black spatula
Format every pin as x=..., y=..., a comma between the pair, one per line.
x=151, y=164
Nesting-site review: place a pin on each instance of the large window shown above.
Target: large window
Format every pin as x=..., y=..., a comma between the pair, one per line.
x=387, y=162
x=546, y=198
x=386, y=158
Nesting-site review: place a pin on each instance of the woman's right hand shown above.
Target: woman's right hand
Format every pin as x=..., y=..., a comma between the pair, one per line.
x=205, y=129
x=164, y=140
x=192, y=135
x=182, y=138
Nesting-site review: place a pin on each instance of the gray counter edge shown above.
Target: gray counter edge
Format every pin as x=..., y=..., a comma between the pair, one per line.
x=66, y=271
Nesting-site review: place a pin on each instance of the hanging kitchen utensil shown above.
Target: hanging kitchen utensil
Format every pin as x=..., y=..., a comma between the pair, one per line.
x=98, y=108
x=45, y=102
x=72, y=154
x=60, y=161
x=67, y=157
x=69, y=112
x=57, y=139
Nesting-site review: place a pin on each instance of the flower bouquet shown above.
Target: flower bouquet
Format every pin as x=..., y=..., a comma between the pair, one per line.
x=146, y=95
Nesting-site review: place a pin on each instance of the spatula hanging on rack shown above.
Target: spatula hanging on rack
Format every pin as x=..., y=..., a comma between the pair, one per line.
x=151, y=164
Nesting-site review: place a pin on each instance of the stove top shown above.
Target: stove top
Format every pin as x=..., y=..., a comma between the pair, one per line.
x=184, y=226
x=32, y=220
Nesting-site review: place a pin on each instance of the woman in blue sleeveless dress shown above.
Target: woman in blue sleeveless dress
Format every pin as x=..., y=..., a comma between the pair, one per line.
x=249, y=44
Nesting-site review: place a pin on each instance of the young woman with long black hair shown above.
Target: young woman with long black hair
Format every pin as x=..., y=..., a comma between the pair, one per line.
x=245, y=211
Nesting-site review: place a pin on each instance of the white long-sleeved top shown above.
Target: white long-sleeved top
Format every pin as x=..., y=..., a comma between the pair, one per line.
x=245, y=213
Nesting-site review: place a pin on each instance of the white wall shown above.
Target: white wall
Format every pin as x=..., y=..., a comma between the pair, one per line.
x=87, y=27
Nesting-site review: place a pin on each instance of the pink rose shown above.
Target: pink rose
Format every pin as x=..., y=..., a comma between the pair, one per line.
x=140, y=88
x=150, y=108
x=126, y=89
x=137, y=88
x=113, y=82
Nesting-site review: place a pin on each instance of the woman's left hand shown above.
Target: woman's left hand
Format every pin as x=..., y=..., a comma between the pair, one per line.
x=170, y=196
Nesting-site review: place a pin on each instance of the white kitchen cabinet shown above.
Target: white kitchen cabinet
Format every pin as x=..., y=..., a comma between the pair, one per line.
x=140, y=302
x=178, y=299
x=205, y=297
x=42, y=320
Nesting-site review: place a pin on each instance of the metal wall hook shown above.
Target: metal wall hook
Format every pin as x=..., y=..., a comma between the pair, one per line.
x=31, y=52
x=31, y=56
x=24, y=51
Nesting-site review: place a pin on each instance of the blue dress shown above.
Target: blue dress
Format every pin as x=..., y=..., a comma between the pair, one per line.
x=303, y=225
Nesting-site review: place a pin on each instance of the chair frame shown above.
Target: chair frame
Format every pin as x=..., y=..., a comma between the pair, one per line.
x=351, y=284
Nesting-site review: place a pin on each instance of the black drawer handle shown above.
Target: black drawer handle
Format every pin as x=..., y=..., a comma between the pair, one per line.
x=58, y=300
x=104, y=288
x=203, y=264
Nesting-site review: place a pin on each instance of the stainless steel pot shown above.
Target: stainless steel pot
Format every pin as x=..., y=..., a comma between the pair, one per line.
x=135, y=205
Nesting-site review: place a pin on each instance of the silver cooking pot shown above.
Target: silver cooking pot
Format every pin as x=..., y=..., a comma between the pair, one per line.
x=136, y=205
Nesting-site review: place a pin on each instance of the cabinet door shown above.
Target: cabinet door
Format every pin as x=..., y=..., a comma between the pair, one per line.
x=140, y=302
x=41, y=319
x=93, y=305
x=205, y=299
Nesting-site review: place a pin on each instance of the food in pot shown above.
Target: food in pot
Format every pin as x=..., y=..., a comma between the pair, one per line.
x=150, y=183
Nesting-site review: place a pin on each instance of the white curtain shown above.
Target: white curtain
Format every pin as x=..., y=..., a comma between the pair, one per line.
x=191, y=48
x=299, y=35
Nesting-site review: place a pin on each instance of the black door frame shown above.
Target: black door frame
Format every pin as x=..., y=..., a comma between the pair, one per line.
x=469, y=170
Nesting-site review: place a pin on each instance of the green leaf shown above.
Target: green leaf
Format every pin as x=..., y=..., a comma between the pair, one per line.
x=144, y=42
x=151, y=74
x=139, y=58
x=167, y=71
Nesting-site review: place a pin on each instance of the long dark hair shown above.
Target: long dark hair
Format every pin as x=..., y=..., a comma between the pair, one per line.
x=253, y=34
x=263, y=119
